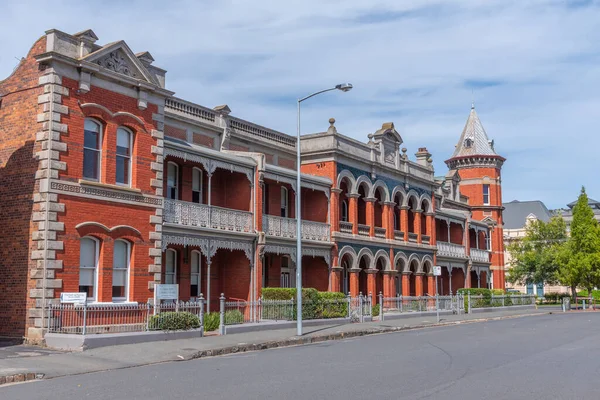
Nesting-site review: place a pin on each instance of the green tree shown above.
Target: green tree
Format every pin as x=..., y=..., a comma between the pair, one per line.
x=580, y=256
x=534, y=257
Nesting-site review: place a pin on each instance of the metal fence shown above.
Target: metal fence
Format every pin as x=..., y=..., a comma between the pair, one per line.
x=408, y=304
x=117, y=318
x=480, y=301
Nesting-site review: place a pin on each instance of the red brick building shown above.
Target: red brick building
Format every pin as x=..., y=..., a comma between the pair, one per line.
x=110, y=184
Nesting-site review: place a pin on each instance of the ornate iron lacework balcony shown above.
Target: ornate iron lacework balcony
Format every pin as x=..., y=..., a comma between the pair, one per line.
x=346, y=227
x=451, y=250
x=286, y=228
x=363, y=230
x=398, y=235
x=412, y=237
x=380, y=232
x=425, y=239
x=204, y=216
x=480, y=255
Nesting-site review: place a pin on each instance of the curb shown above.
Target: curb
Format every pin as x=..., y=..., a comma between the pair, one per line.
x=299, y=341
x=22, y=377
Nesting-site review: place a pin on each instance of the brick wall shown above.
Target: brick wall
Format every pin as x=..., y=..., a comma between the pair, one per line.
x=175, y=132
x=18, y=165
x=203, y=140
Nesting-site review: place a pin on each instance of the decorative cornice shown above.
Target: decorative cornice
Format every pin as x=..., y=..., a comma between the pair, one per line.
x=116, y=194
x=209, y=164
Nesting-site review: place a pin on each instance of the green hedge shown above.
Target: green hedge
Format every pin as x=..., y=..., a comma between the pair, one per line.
x=233, y=317
x=174, y=321
x=212, y=321
x=584, y=293
x=315, y=304
x=552, y=297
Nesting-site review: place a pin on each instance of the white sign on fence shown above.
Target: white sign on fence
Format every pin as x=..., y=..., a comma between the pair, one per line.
x=73, y=297
x=166, y=292
x=437, y=271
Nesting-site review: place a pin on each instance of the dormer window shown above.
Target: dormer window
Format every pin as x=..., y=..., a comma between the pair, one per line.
x=468, y=142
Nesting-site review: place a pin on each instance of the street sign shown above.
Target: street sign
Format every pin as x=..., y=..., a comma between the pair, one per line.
x=73, y=297
x=166, y=292
x=437, y=271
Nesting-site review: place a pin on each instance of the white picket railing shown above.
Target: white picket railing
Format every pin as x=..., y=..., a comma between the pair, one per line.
x=480, y=255
x=451, y=250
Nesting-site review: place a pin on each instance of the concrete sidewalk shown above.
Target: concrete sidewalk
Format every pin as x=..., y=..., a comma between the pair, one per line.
x=125, y=356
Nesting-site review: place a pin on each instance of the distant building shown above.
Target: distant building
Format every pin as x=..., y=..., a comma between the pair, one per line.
x=567, y=213
x=517, y=214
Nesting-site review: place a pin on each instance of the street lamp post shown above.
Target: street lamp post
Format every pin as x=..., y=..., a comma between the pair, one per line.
x=344, y=87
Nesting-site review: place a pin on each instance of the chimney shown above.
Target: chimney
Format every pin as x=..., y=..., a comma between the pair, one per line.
x=423, y=156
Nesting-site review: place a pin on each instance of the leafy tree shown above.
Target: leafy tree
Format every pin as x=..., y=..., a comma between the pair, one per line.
x=534, y=257
x=580, y=256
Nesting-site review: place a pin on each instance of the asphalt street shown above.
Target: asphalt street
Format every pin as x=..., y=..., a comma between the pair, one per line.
x=542, y=357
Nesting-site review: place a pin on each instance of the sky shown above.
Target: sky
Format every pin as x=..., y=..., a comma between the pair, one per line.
x=531, y=67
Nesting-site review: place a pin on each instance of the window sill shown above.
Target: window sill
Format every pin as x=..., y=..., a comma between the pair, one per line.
x=109, y=186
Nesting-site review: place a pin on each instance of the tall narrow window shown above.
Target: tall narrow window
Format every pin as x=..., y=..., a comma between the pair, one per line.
x=196, y=185
x=123, y=156
x=88, y=263
x=195, y=275
x=286, y=279
x=345, y=278
x=284, y=202
x=344, y=211
x=121, y=256
x=92, y=145
x=486, y=194
x=172, y=180
x=265, y=198
x=171, y=267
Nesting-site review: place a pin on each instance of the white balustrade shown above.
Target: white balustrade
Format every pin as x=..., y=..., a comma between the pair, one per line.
x=451, y=250
x=398, y=235
x=204, y=216
x=363, y=230
x=380, y=232
x=412, y=237
x=286, y=228
x=480, y=255
x=346, y=227
x=425, y=239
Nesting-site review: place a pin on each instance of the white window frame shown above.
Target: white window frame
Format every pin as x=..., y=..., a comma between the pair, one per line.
x=95, y=268
x=176, y=197
x=287, y=272
x=98, y=150
x=201, y=175
x=174, y=274
x=284, y=203
x=345, y=210
x=128, y=158
x=127, y=271
x=199, y=273
x=486, y=193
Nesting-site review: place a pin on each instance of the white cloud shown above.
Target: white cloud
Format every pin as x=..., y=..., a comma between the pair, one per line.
x=532, y=66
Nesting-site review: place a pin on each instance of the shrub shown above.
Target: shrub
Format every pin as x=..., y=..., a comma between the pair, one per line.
x=212, y=321
x=174, y=321
x=376, y=310
x=315, y=304
x=233, y=317
x=332, y=305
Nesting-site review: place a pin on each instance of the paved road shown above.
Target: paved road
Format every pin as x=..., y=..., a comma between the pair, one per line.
x=540, y=357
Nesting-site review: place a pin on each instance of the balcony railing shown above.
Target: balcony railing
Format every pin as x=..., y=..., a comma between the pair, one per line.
x=286, y=228
x=480, y=255
x=451, y=250
x=425, y=239
x=380, y=232
x=363, y=230
x=346, y=227
x=412, y=237
x=398, y=235
x=204, y=216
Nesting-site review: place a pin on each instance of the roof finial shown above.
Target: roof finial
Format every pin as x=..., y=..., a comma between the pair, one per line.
x=472, y=100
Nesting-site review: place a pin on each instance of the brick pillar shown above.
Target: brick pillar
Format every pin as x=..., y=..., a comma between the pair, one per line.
x=335, y=210
x=354, y=282
x=467, y=239
x=258, y=266
x=418, y=225
x=371, y=287
x=430, y=221
x=404, y=221
x=336, y=279
x=468, y=282
x=431, y=285
x=419, y=284
x=389, y=286
x=370, y=201
x=353, y=211
x=406, y=284
x=388, y=212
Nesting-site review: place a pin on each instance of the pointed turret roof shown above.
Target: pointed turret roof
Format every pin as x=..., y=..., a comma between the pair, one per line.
x=474, y=141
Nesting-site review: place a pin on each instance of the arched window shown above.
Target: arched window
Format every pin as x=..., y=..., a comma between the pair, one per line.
x=121, y=257
x=196, y=185
x=345, y=277
x=124, y=146
x=88, y=266
x=92, y=149
x=284, y=202
x=171, y=266
x=172, y=181
x=195, y=274
x=344, y=215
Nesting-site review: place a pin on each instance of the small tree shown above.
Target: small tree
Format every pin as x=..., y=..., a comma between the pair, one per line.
x=580, y=256
x=534, y=258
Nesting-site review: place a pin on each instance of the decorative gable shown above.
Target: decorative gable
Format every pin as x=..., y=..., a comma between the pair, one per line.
x=117, y=61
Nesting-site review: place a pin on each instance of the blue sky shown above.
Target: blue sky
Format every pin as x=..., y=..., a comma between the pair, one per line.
x=531, y=67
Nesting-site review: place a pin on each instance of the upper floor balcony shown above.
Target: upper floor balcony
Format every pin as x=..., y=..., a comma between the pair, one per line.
x=204, y=216
x=287, y=228
x=453, y=240
x=446, y=249
x=479, y=255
